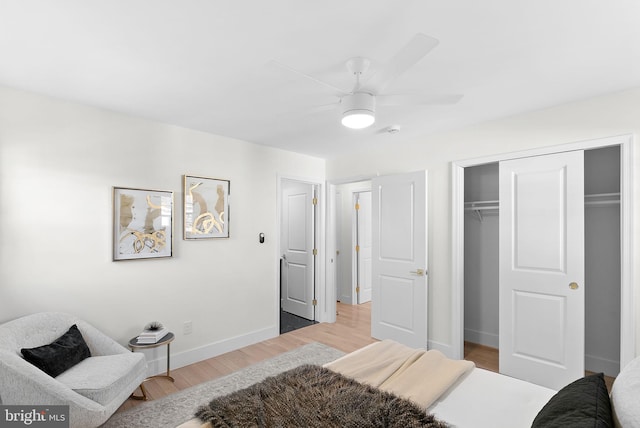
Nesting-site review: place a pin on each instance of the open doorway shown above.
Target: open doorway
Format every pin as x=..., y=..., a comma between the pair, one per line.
x=399, y=255
x=353, y=242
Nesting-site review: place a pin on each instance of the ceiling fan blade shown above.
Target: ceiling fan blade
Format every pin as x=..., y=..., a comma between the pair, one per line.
x=409, y=55
x=303, y=113
x=324, y=107
x=418, y=100
x=338, y=91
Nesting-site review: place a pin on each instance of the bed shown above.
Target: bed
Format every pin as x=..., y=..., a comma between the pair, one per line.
x=468, y=396
x=454, y=393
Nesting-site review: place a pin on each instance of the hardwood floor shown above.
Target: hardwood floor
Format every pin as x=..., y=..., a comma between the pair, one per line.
x=351, y=331
x=483, y=356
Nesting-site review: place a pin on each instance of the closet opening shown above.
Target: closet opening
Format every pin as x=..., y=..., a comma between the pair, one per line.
x=602, y=259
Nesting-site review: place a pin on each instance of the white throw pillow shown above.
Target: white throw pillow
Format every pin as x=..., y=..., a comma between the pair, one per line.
x=625, y=395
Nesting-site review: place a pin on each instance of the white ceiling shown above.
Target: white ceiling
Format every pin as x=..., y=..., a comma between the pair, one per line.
x=208, y=64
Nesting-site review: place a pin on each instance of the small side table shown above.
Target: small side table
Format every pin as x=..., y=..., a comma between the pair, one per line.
x=166, y=340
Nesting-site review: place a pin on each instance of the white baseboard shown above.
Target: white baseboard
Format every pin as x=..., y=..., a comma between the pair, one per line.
x=158, y=365
x=442, y=347
x=481, y=338
x=599, y=364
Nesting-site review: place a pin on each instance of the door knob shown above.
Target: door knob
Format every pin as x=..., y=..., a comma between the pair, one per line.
x=418, y=272
x=573, y=286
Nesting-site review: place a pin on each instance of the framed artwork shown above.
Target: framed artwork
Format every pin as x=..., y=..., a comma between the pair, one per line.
x=206, y=207
x=142, y=224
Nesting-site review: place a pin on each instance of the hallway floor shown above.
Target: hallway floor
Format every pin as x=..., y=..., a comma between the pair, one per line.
x=290, y=322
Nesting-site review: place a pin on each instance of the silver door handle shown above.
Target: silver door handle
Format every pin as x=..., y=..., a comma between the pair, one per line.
x=419, y=272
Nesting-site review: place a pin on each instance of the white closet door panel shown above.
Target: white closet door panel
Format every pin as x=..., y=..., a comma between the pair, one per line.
x=552, y=326
x=539, y=220
x=542, y=268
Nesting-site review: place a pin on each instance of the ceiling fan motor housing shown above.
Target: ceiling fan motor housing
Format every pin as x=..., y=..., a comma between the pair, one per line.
x=356, y=107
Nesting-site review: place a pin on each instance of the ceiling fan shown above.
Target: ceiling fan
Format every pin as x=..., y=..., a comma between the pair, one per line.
x=358, y=105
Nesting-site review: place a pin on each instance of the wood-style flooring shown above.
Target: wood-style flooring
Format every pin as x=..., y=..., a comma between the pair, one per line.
x=351, y=331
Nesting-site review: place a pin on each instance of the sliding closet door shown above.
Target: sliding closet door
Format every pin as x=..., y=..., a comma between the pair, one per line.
x=541, y=269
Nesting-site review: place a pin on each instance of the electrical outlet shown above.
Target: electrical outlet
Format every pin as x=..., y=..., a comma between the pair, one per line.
x=187, y=327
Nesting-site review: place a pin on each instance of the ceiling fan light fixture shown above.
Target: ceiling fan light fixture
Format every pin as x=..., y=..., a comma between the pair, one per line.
x=357, y=119
x=358, y=110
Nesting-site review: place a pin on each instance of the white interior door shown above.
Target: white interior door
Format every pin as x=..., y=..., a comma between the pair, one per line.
x=297, y=244
x=399, y=260
x=541, y=271
x=364, y=246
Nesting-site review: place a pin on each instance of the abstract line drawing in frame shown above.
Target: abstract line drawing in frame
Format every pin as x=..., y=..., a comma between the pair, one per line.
x=206, y=207
x=142, y=224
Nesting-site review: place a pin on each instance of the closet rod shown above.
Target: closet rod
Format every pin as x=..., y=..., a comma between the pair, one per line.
x=602, y=199
x=477, y=207
x=481, y=205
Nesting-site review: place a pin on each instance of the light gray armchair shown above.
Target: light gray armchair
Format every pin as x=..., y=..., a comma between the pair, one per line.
x=93, y=388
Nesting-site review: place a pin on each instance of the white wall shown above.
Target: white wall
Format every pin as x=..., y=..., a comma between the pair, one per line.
x=604, y=116
x=58, y=163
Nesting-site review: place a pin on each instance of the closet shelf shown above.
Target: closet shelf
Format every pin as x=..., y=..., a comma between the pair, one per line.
x=600, y=199
x=482, y=208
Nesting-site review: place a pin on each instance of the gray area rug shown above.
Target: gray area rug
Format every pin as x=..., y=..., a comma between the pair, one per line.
x=175, y=409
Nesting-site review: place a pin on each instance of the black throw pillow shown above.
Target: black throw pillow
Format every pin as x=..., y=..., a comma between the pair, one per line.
x=67, y=351
x=583, y=403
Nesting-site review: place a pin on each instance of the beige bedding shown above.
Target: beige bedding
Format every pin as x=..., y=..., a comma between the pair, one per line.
x=419, y=375
x=416, y=374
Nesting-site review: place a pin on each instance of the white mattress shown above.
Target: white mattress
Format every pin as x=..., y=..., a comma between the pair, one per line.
x=484, y=399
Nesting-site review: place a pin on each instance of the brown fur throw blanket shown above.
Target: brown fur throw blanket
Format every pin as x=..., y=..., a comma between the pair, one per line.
x=312, y=396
